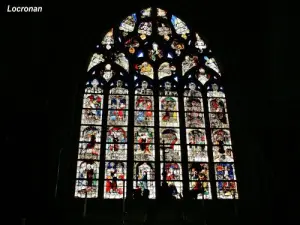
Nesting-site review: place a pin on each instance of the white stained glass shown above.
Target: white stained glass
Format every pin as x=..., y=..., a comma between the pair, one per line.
x=223, y=154
x=200, y=44
x=122, y=61
x=161, y=13
x=146, y=12
x=165, y=70
x=145, y=28
x=108, y=39
x=128, y=24
x=196, y=137
x=197, y=153
x=96, y=59
x=82, y=189
x=188, y=63
x=211, y=63
x=179, y=25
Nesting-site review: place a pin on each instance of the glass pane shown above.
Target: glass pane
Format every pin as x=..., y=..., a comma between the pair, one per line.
x=85, y=188
x=227, y=190
x=225, y=171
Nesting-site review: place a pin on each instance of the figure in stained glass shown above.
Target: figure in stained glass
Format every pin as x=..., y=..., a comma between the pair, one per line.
x=221, y=137
x=224, y=171
x=144, y=139
x=155, y=53
x=227, y=190
x=144, y=90
x=161, y=13
x=223, y=154
x=92, y=87
x=196, y=137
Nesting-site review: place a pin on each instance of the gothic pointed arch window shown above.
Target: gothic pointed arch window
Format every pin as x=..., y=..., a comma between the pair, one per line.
x=154, y=113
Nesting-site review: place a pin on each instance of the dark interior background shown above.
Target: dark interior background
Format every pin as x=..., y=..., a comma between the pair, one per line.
x=45, y=59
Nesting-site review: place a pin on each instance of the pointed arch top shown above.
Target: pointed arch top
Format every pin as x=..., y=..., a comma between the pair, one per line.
x=155, y=35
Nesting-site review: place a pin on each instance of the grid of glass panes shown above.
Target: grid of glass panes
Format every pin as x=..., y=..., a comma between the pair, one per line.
x=144, y=149
x=170, y=151
x=116, y=143
x=222, y=149
x=87, y=176
x=199, y=180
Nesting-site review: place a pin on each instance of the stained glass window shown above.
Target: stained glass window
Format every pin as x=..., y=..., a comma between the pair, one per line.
x=87, y=178
x=222, y=149
x=116, y=142
x=170, y=148
x=153, y=103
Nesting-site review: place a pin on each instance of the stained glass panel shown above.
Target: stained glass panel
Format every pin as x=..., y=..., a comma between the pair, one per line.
x=155, y=52
x=223, y=154
x=145, y=69
x=114, y=189
x=108, y=39
x=161, y=13
x=217, y=105
x=164, y=30
x=173, y=171
x=218, y=120
x=83, y=188
x=165, y=70
x=172, y=153
x=224, y=171
x=221, y=137
x=198, y=186
x=227, y=190
x=90, y=133
x=91, y=116
x=122, y=61
x=176, y=187
x=96, y=59
x=202, y=76
x=197, y=153
x=200, y=44
x=146, y=13
x=211, y=63
x=188, y=63
x=168, y=103
x=89, y=150
x=88, y=169
x=180, y=27
x=196, y=136
x=128, y=24
x=145, y=29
